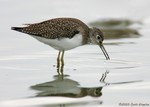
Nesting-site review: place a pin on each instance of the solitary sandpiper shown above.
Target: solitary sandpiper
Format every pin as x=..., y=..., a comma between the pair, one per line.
x=64, y=34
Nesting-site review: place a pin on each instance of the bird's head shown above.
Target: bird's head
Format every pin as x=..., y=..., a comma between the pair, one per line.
x=96, y=37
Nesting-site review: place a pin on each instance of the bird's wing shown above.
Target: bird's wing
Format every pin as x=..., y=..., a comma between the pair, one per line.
x=52, y=29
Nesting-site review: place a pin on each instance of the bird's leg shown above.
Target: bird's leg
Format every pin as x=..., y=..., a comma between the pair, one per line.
x=62, y=61
x=62, y=58
x=58, y=60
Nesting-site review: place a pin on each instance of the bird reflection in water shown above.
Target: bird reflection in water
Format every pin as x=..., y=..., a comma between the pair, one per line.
x=63, y=86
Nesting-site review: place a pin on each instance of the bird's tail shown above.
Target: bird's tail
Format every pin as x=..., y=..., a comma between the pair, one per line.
x=19, y=29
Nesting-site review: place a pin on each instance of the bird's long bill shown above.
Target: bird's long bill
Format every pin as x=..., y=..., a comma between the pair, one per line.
x=104, y=51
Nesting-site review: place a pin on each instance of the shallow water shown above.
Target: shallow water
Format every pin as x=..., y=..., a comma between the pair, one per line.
x=28, y=68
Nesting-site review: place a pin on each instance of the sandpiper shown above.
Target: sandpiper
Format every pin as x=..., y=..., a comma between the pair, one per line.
x=64, y=34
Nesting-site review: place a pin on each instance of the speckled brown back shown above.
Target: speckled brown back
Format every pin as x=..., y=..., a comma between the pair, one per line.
x=57, y=28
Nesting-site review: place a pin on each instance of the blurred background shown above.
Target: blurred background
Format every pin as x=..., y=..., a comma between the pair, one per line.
x=33, y=11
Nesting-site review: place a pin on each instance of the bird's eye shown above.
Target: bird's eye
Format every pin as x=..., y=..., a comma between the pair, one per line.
x=98, y=37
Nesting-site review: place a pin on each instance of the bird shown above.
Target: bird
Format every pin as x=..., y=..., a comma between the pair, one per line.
x=64, y=34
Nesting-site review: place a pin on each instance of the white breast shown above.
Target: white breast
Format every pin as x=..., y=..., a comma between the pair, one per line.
x=64, y=43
